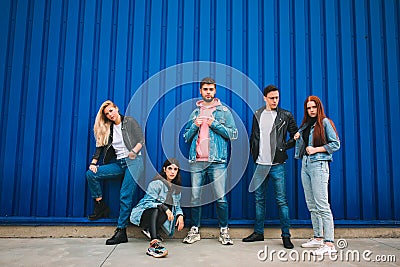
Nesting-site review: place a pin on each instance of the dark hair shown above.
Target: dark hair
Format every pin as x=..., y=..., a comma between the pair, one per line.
x=319, y=138
x=207, y=80
x=270, y=88
x=177, y=182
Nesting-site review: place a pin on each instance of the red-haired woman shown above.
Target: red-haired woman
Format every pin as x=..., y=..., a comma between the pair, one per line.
x=316, y=141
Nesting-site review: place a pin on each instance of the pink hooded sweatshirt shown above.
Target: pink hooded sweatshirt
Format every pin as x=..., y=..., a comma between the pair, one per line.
x=203, y=141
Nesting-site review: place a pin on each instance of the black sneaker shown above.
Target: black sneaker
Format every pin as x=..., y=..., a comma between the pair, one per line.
x=254, y=237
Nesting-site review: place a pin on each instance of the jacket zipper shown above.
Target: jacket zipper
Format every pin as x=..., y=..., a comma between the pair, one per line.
x=284, y=122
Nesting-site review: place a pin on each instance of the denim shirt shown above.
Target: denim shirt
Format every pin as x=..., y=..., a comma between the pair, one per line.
x=221, y=131
x=156, y=195
x=331, y=137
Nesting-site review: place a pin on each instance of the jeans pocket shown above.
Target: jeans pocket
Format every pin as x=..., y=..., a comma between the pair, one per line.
x=323, y=166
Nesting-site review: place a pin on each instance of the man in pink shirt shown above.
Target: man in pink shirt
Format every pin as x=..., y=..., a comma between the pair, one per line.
x=209, y=130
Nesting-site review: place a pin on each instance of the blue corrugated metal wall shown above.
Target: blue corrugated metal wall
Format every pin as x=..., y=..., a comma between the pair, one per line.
x=60, y=59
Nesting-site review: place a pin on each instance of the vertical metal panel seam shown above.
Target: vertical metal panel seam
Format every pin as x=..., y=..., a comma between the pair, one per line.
x=213, y=29
x=356, y=118
x=58, y=104
x=395, y=173
x=6, y=96
x=358, y=178
x=379, y=102
x=387, y=105
x=293, y=89
x=23, y=101
x=245, y=63
x=95, y=58
x=129, y=54
x=370, y=87
x=373, y=119
x=112, y=52
x=179, y=58
x=146, y=40
x=40, y=104
x=75, y=110
x=308, y=50
x=260, y=81
x=324, y=84
x=162, y=64
x=179, y=54
x=277, y=46
x=196, y=33
x=341, y=86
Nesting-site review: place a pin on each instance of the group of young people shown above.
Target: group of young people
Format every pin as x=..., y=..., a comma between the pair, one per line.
x=209, y=130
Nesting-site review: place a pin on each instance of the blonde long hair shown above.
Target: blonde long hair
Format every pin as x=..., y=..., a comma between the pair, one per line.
x=102, y=125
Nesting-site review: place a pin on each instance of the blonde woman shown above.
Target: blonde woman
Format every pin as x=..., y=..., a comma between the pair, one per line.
x=119, y=139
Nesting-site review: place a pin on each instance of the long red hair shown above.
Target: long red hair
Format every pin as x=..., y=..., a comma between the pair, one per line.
x=319, y=138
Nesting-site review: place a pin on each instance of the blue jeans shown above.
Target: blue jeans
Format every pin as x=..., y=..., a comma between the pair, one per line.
x=130, y=170
x=315, y=178
x=217, y=174
x=278, y=175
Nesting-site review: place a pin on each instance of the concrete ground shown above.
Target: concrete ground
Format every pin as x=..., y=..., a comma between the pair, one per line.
x=206, y=252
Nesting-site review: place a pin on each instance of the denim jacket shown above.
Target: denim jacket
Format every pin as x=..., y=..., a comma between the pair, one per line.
x=333, y=143
x=156, y=195
x=221, y=131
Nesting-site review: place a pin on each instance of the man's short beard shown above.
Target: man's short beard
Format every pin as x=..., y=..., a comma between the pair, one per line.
x=208, y=100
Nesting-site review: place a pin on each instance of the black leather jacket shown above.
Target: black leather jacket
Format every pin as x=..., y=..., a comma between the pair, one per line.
x=284, y=123
x=131, y=134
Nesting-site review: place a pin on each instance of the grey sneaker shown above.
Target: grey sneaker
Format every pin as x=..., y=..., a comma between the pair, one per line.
x=224, y=237
x=192, y=236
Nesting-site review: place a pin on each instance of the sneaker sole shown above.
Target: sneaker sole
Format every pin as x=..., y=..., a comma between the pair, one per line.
x=121, y=242
x=310, y=246
x=191, y=241
x=225, y=243
x=154, y=255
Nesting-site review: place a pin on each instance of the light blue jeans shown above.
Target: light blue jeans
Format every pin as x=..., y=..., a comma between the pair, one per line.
x=315, y=178
x=128, y=169
x=277, y=174
x=217, y=175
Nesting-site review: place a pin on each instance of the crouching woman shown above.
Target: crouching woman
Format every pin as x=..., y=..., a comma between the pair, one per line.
x=160, y=207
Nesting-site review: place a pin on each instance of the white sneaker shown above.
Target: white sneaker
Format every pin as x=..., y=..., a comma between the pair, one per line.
x=313, y=243
x=324, y=249
x=192, y=236
x=224, y=237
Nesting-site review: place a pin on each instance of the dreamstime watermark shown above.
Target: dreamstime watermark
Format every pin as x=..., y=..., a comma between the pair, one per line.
x=184, y=80
x=343, y=255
